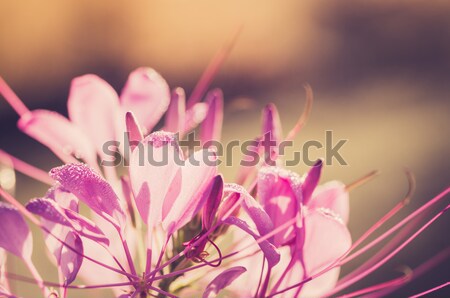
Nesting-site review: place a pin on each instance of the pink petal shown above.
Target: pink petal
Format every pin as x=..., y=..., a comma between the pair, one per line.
x=261, y=219
x=211, y=127
x=15, y=236
x=279, y=191
x=326, y=239
x=181, y=206
x=332, y=196
x=147, y=95
x=214, y=194
x=51, y=211
x=311, y=181
x=94, y=107
x=48, y=209
x=63, y=197
x=92, y=189
x=151, y=182
x=176, y=113
x=223, y=280
x=134, y=132
x=271, y=123
x=195, y=116
x=60, y=135
x=270, y=252
x=271, y=131
x=69, y=261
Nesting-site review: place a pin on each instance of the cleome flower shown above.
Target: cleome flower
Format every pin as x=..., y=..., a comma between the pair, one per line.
x=172, y=226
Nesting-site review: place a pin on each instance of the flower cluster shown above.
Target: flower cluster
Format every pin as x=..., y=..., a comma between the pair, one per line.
x=179, y=229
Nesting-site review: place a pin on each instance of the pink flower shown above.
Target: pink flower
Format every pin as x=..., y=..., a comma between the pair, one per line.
x=176, y=227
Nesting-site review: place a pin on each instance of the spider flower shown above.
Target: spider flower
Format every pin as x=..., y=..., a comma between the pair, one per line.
x=168, y=221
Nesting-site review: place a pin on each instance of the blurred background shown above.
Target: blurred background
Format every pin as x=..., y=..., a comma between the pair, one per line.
x=380, y=71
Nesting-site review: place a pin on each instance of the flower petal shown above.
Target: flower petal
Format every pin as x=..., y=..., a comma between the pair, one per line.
x=213, y=194
x=61, y=136
x=92, y=189
x=326, y=239
x=252, y=208
x=51, y=211
x=332, y=196
x=69, y=261
x=211, y=127
x=195, y=116
x=147, y=95
x=181, y=206
x=134, y=132
x=150, y=164
x=15, y=236
x=93, y=106
x=279, y=191
x=311, y=181
x=176, y=113
x=271, y=131
x=223, y=280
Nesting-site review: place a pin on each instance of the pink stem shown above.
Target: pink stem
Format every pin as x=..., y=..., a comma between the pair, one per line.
x=162, y=292
x=12, y=98
x=388, y=257
x=25, y=168
x=418, y=271
x=76, y=287
x=211, y=71
x=431, y=290
x=37, y=277
x=391, y=283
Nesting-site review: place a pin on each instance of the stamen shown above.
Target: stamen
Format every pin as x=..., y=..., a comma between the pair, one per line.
x=362, y=180
x=219, y=262
x=407, y=274
x=431, y=290
x=406, y=199
x=12, y=98
x=213, y=68
x=419, y=271
x=22, y=278
x=305, y=114
x=25, y=168
x=389, y=256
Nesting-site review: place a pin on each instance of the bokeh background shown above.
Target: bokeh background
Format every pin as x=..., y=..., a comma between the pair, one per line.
x=380, y=71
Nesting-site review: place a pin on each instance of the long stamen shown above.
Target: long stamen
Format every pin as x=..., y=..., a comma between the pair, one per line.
x=389, y=256
x=304, y=116
x=418, y=271
x=431, y=290
x=25, y=168
x=387, y=284
x=22, y=278
x=128, y=254
x=37, y=277
x=12, y=98
x=406, y=199
x=362, y=180
x=162, y=292
x=212, y=69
